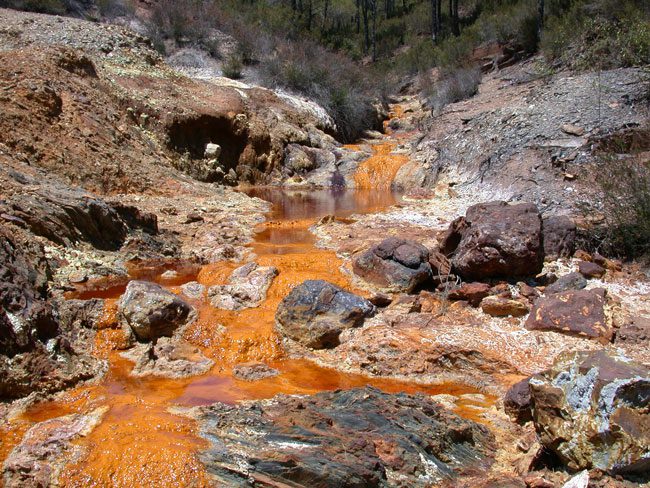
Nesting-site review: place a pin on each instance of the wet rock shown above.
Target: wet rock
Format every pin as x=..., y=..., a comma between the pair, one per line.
x=193, y=289
x=571, y=281
x=497, y=239
x=559, y=235
x=395, y=264
x=151, y=312
x=316, y=312
x=353, y=438
x=470, y=292
x=247, y=287
x=517, y=404
x=575, y=312
x=591, y=410
x=253, y=371
x=46, y=447
x=503, y=307
x=590, y=270
x=170, y=358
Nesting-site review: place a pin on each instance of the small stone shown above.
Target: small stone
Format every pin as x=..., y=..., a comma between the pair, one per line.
x=253, y=371
x=193, y=217
x=590, y=270
x=473, y=293
x=573, y=130
x=212, y=150
x=503, y=307
x=571, y=281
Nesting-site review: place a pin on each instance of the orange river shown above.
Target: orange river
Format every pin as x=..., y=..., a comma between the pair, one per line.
x=140, y=442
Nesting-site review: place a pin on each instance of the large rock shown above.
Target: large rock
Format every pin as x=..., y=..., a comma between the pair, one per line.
x=576, y=312
x=316, y=312
x=591, y=409
x=354, y=438
x=396, y=264
x=37, y=353
x=150, y=311
x=496, y=240
x=559, y=235
x=247, y=287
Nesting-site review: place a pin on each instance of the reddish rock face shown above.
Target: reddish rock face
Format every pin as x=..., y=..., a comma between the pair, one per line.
x=497, y=239
x=577, y=312
x=352, y=438
x=559, y=234
x=590, y=270
x=516, y=403
x=471, y=292
x=395, y=264
x=591, y=409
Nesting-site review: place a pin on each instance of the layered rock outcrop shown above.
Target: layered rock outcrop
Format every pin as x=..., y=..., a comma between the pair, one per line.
x=356, y=438
x=37, y=353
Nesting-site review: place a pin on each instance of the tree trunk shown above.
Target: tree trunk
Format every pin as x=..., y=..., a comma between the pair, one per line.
x=374, y=29
x=540, y=17
x=357, y=17
x=435, y=20
x=366, y=29
x=453, y=14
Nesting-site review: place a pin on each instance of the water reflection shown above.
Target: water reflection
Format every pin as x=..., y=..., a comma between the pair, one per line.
x=301, y=204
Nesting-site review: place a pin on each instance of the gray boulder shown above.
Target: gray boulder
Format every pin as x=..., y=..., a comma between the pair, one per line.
x=150, y=311
x=397, y=264
x=316, y=312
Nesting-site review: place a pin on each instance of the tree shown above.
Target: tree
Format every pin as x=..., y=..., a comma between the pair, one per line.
x=453, y=17
x=435, y=19
x=540, y=17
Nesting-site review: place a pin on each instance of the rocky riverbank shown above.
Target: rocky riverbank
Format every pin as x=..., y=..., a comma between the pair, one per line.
x=158, y=325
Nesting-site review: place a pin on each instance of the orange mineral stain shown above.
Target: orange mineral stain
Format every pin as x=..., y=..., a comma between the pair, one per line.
x=380, y=169
x=141, y=441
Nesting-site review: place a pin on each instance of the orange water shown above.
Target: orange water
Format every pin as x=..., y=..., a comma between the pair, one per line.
x=139, y=442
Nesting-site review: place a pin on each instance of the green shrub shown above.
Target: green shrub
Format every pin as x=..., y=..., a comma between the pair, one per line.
x=625, y=183
x=599, y=34
x=454, y=86
x=233, y=66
